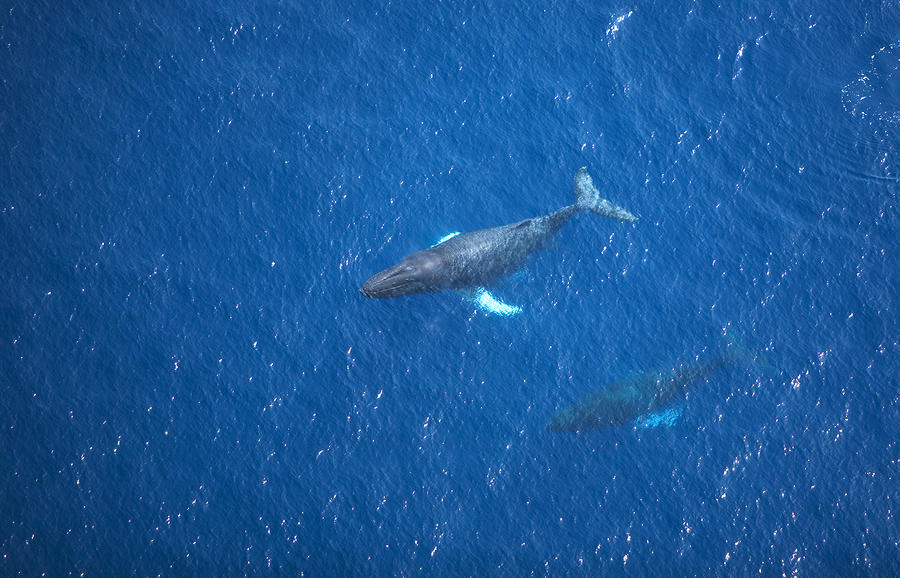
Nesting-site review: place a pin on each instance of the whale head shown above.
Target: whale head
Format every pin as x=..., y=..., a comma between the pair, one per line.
x=418, y=273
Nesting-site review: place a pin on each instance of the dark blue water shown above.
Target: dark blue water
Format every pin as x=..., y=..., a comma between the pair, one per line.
x=190, y=198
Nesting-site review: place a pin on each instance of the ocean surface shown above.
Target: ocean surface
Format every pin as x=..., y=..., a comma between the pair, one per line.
x=191, y=195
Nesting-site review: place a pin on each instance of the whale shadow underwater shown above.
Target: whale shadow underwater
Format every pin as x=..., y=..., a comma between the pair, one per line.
x=478, y=259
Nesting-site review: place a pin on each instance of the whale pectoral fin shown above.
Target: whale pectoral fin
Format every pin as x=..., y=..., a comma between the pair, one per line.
x=490, y=304
x=446, y=238
x=519, y=275
x=666, y=416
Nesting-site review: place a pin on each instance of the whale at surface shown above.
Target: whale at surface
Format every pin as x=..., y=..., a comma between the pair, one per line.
x=480, y=258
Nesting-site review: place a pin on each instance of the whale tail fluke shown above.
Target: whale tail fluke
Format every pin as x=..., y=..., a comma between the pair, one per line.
x=738, y=351
x=589, y=198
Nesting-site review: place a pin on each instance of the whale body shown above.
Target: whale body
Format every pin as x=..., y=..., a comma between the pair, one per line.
x=624, y=401
x=480, y=258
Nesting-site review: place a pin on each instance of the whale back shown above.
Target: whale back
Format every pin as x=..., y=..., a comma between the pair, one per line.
x=483, y=257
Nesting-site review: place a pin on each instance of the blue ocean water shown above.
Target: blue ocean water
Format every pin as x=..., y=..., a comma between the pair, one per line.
x=192, y=195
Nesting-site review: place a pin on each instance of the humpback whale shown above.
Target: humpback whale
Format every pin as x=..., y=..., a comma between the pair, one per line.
x=478, y=259
x=639, y=395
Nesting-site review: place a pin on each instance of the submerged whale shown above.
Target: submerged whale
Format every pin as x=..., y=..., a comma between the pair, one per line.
x=480, y=258
x=633, y=397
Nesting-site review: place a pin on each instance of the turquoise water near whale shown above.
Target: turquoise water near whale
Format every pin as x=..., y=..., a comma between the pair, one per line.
x=192, y=195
